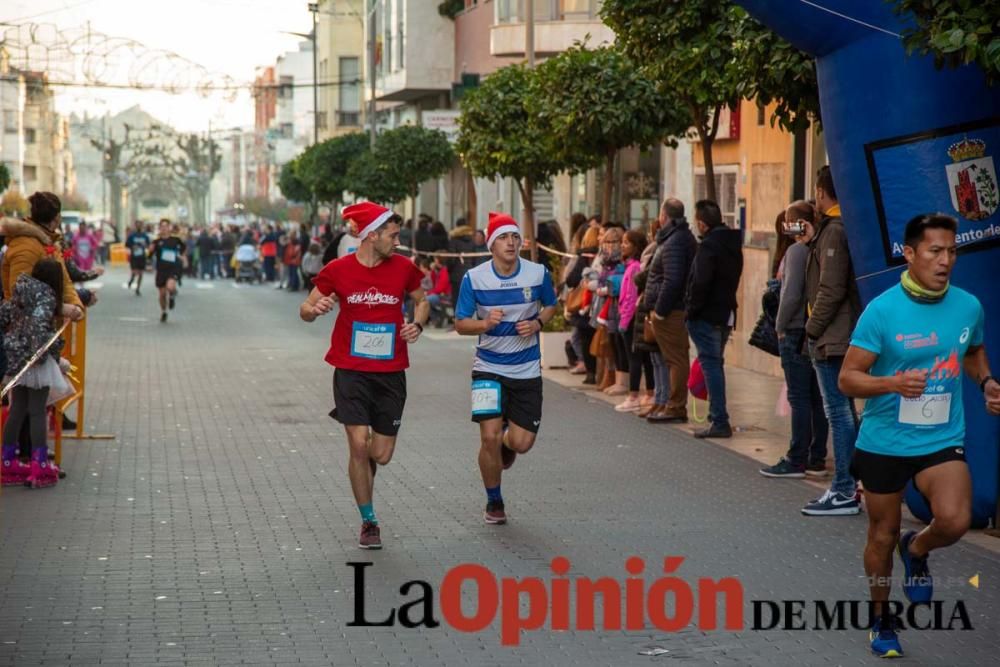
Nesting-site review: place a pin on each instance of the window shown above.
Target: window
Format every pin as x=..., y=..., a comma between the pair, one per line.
x=349, y=118
x=350, y=87
x=30, y=172
x=285, y=87
x=725, y=190
x=29, y=136
x=287, y=131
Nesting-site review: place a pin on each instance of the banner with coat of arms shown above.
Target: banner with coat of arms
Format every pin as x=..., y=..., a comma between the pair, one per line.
x=950, y=170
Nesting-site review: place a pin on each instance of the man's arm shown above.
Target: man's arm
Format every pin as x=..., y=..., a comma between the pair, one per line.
x=699, y=281
x=977, y=367
x=835, y=272
x=531, y=327
x=421, y=312
x=856, y=380
x=315, y=305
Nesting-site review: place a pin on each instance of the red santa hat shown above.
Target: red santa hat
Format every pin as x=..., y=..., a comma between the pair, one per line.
x=500, y=223
x=368, y=216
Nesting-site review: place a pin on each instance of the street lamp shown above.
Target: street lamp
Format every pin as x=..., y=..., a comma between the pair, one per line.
x=314, y=8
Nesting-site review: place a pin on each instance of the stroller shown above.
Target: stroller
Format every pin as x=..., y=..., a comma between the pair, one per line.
x=248, y=267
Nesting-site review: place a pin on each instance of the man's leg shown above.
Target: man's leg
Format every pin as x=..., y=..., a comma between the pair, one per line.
x=365, y=447
x=884, y=516
x=709, y=341
x=799, y=379
x=948, y=487
x=675, y=348
x=841, y=417
x=490, y=462
x=163, y=299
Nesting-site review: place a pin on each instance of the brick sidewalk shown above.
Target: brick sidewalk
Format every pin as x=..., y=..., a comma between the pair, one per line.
x=217, y=527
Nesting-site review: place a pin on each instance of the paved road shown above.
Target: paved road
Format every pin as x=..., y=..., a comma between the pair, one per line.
x=216, y=528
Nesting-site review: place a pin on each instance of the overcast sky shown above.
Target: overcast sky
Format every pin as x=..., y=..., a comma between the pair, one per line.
x=227, y=36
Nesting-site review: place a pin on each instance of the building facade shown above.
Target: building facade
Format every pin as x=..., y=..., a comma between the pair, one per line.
x=291, y=129
x=340, y=46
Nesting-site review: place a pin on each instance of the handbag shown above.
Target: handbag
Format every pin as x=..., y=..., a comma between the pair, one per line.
x=648, y=333
x=574, y=300
x=764, y=337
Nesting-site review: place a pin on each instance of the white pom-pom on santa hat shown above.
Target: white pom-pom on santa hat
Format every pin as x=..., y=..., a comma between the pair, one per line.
x=500, y=223
x=368, y=216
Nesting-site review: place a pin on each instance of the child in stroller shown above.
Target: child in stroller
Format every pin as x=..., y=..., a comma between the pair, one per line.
x=247, y=263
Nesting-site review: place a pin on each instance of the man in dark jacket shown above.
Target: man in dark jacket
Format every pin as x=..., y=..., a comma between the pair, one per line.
x=834, y=309
x=664, y=297
x=227, y=246
x=711, y=307
x=207, y=245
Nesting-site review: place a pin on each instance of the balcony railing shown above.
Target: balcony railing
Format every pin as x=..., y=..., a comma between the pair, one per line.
x=512, y=11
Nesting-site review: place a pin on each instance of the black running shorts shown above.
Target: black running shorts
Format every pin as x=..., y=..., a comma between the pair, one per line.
x=520, y=400
x=881, y=473
x=138, y=263
x=163, y=275
x=369, y=399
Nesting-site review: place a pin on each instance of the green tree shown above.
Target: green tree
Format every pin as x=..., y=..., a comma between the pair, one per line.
x=498, y=136
x=411, y=154
x=323, y=167
x=291, y=185
x=604, y=104
x=372, y=180
x=4, y=177
x=711, y=55
x=956, y=32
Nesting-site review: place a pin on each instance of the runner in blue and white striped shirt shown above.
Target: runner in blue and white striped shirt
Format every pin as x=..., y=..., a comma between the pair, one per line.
x=505, y=302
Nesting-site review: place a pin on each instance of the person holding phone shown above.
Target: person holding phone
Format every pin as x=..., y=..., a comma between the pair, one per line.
x=807, y=449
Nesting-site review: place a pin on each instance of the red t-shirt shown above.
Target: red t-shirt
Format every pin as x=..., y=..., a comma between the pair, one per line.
x=366, y=336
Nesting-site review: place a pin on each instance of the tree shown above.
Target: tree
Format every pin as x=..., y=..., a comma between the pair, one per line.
x=4, y=177
x=711, y=55
x=604, y=104
x=372, y=180
x=74, y=201
x=411, y=155
x=291, y=184
x=14, y=203
x=956, y=32
x=498, y=136
x=323, y=167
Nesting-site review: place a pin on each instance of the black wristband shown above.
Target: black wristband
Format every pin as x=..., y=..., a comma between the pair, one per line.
x=419, y=326
x=982, y=385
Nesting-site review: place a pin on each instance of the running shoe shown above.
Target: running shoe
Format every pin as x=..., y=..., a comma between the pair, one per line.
x=579, y=369
x=173, y=301
x=918, y=585
x=832, y=504
x=885, y=642
x=163, y=316
x=783, y=469
x=137, y=292
x=371, y=538
x=494, y=513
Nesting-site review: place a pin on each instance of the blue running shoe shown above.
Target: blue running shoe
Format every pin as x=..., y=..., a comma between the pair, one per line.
x=918, y=585
x=885, y=642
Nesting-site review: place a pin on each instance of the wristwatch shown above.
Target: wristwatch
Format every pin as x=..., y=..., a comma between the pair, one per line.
x=419, y=326
x=982, y=385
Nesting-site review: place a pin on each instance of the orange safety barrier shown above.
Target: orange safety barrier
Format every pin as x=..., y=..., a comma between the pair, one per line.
x=119, y=254
x=75, y=351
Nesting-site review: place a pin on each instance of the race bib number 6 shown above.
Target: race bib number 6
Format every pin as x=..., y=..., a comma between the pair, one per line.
x=373, y=341
x=486, y=397
x=168, y=256
x=928, y=410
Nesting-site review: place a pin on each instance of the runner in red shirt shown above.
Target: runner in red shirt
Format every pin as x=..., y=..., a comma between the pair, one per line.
x=368, y=346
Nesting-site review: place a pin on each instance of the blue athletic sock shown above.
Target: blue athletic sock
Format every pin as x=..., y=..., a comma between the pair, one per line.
x=493, y=494
x=368, y=513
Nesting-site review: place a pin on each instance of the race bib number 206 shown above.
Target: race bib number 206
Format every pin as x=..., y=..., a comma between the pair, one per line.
x=373, y=341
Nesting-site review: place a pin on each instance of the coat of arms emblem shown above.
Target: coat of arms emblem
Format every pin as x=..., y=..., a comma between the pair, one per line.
x=527, y=293
x=972, y=179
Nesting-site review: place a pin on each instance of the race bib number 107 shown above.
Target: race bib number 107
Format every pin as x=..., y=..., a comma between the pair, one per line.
x=486, y=397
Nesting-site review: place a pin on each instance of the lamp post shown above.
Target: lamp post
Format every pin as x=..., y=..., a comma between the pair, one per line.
x=314, y=8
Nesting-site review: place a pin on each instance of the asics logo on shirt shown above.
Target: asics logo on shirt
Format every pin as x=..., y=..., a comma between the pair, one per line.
x=965, y=336
x=372, y=297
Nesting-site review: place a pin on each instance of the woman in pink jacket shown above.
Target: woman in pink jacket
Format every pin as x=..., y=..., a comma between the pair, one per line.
x=85, y=247
x=632, y=246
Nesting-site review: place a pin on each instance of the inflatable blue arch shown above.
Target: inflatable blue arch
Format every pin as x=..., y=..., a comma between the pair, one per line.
x=905, y=138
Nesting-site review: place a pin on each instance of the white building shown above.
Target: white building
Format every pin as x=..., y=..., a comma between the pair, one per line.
x=292, y=129
x=13, y=96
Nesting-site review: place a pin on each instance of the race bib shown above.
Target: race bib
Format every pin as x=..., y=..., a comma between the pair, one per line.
x=486, y=397
x=138, y=251
x=373, y=341
x=928, y=410
x=169, y=256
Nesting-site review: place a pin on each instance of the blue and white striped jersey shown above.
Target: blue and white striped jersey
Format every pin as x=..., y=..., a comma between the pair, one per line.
x=521, y=296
